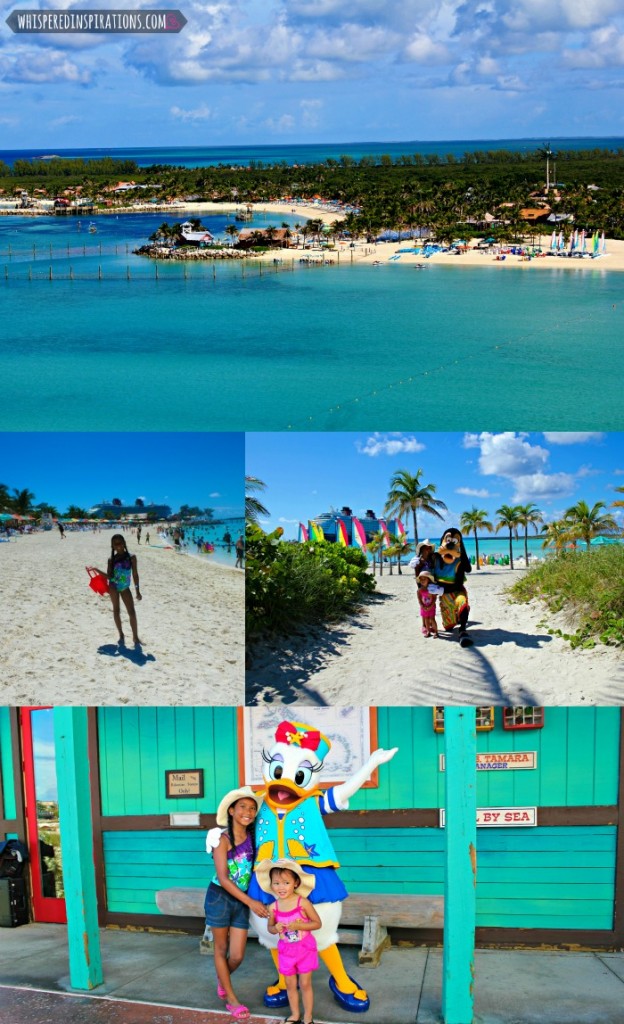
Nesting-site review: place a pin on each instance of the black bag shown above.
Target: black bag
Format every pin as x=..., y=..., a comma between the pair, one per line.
x=13, y=857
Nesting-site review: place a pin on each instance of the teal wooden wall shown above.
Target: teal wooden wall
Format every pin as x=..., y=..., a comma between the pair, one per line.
x=577, y=753
x=6, y=764
x=526, y=878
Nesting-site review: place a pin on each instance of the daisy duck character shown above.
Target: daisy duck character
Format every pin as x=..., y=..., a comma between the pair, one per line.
x=290, y=824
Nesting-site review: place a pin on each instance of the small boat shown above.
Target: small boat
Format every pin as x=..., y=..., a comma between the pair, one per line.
x=92, y=228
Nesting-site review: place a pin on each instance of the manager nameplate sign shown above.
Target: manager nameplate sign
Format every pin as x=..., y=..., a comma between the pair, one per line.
x=512, y=760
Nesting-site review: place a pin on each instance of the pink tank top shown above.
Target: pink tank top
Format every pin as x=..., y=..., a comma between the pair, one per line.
x=285, y=917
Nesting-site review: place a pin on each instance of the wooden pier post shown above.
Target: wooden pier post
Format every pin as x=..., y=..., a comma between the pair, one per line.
x=460, y=799
x=75, y=820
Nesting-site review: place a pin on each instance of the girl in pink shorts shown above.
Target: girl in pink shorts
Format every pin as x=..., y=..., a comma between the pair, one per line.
x=293, y=919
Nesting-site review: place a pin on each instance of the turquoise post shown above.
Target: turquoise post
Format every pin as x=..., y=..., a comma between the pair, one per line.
x=74, y=796
x=460, y=784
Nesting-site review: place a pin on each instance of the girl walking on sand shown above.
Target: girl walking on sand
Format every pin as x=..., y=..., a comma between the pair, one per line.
x=121, y=570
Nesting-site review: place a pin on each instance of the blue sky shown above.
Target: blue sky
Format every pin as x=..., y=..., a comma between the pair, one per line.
x=260, y=71
x=193, y=469
x=305, y=474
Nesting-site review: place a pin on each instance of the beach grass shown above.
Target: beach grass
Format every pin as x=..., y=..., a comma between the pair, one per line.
x=291, y=585
x=588, y=586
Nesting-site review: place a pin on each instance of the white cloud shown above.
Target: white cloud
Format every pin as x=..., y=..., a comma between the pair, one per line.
x=60, y=122
x=201, y=113
x=563, y=437
x=473, y=492
x=215, y=494
x=536, y=487
x=278, y=125
x=35, y=67
x=422, y=49
x=282, y=519
x=389, y=444
x=507, y=454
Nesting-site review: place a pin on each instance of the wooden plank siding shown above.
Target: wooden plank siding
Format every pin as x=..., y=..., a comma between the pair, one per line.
x=534, y=878
x=577, y=751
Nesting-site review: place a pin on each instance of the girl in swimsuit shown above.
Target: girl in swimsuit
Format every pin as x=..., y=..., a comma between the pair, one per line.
x=121, y=569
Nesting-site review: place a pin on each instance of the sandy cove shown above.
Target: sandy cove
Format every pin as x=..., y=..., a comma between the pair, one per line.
x=59, y=642
x=379, y=656
x=369, y=253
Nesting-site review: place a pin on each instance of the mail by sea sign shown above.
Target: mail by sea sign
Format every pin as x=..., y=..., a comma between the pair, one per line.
x=512, y=760
x=501, y=817
x=186, y=783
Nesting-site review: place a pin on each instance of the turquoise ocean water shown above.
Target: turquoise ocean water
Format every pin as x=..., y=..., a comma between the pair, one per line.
x=348, y=347
x=227, y=347
x=223, y=553
x=202, y=156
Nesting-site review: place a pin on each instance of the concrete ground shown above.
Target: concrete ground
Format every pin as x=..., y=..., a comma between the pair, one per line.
x=163, y=979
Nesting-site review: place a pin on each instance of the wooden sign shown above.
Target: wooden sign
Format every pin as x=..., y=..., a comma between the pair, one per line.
x=189, y=782
x=501, y=817
x=511, y=760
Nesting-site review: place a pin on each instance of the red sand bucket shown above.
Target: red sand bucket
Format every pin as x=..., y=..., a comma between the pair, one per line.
x=97, y=582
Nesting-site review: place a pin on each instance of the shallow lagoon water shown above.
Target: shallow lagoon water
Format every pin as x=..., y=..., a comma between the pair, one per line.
x=341, y=347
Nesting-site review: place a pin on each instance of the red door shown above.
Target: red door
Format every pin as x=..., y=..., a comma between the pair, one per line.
x=42, y=817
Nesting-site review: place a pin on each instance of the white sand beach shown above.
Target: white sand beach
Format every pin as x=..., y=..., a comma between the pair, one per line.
x=59, y=642
x=390, y=252
x=379, y=656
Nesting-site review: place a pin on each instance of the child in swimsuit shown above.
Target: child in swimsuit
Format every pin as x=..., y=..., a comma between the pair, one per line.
x=427, y=602
x=293, y=918
x=120, y=572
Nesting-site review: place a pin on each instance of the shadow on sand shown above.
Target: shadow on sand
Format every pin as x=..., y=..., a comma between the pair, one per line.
x=295, y=660
x=133, y=654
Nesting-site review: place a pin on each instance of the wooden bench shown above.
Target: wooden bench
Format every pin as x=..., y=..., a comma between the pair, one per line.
x=365, y=918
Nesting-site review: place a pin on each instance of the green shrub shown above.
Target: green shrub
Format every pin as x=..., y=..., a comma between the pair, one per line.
x=589, y=585
x=289, y=585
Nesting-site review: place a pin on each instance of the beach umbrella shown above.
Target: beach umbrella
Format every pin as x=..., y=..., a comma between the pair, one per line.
x=4, y=516
x=602, y=541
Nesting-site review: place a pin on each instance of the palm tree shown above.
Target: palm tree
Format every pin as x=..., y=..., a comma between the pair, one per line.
x=403, y=548
x=406, y=495
x=590, y=522
x=472, y=521
x=509, y=517
x=377, y=543
x=76, y=512
x=232, y=231
x=530, y=515
x=22, y=501
x=253, y=507
x=556, y=535
x=4, y=496
x=614, y=504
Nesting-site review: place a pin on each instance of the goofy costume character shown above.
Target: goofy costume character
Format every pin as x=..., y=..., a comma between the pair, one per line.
x=290, y=824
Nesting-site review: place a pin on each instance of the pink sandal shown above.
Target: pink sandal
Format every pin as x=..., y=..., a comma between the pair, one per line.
x=221, y=993
x=239, y=1012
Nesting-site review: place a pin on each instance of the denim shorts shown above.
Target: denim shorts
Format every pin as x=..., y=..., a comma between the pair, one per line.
x=223, y=910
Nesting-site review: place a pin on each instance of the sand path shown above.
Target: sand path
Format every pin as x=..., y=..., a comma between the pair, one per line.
x=379, y=656
x=59, y=642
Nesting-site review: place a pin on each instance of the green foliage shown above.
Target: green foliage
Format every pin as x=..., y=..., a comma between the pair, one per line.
x=289, y=585
x=589, y=586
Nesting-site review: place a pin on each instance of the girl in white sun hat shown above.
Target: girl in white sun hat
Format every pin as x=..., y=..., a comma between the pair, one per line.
x=227, y=904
